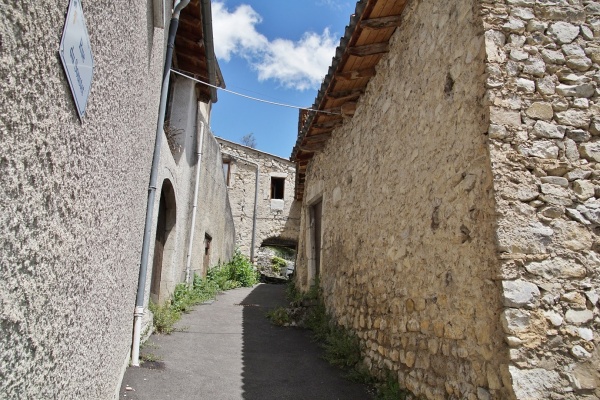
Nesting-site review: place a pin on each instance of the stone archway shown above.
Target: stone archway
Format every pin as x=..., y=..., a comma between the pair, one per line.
x=163, y=246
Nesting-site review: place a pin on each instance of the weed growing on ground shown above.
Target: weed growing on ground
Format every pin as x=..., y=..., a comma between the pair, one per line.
x=149, y=357
x=279, y=316
x=342, y=347
x=164, y=317
x=239, y=272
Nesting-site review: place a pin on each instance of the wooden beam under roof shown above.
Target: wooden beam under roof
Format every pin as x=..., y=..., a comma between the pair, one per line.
x=190, y=25
x=184, y=43
x=356, y=74
x=320, y=136
x=334, y=110
x=345, y=94
x=391, y=21
x=349, y=108
x=369, y=49
x=329, y=124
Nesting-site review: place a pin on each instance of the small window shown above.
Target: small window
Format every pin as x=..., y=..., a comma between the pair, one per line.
x=277, y=186
x=207, y=243
x=226, y=170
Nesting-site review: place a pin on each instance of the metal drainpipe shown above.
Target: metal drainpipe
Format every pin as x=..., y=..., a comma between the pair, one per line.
x=255, y=206
x=139, y=302
x=195, y=207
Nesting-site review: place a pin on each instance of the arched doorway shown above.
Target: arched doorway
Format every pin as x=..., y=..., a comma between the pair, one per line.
x=165, y=225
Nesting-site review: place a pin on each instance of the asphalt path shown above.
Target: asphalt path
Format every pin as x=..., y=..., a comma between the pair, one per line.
x=228, y=350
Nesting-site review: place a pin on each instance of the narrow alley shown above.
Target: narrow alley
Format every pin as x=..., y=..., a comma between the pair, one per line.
x=229, y=350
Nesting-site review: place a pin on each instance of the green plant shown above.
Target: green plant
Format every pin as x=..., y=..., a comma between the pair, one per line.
x=279, y=316
x=296, y=297
x=292, y=293
x=238, y=272
x=164, y=317
x=342, y=346
x=284, y=252
x=391, y=390
x=149, y=357
x=277, y=264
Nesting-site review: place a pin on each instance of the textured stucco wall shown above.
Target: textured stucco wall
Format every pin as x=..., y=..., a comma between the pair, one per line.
x=409, y=258
x=214, y=211
x=543, y=76
x=273, y=221
x=72, y=196
x=178, y=165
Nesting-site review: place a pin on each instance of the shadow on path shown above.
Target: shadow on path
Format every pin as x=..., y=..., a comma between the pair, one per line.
x=229, y=350
x=283, y=362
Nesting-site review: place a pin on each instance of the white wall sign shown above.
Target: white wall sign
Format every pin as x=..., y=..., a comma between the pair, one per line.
x=76, y=55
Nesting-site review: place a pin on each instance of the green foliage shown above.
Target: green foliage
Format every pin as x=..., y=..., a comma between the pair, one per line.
x=391, y=390
x=164, y=317
x=296, y=297
x=292, y=293
x=278, y=263
x=284, y=252
x=342, y=346
x=149, y=357
x=238, y=272
x=279, y=316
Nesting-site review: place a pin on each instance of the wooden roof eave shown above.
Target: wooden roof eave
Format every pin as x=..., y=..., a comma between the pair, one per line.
x=365, y=41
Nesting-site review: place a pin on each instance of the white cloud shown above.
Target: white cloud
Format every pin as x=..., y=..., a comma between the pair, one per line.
x=299, y=65
x=235, y=32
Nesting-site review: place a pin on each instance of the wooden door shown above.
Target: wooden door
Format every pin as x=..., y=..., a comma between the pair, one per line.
x=159, y=247
x=316, y=214
x=207, y=241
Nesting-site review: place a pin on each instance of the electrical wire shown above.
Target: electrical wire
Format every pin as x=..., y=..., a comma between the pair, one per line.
x=253, y=98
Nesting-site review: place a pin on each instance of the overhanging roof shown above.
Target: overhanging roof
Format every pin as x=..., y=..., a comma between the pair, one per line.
x=364, y=43
x=194, y=52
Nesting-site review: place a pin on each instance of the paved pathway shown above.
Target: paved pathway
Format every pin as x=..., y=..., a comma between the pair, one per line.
x=229, y=350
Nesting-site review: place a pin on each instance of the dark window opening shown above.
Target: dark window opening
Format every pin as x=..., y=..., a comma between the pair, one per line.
x=207, y=242
x=226, y=170
x=169, y=103
x=277, y=186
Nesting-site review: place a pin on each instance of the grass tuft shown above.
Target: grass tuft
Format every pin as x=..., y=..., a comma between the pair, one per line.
x=341, y=346
x=239, y=272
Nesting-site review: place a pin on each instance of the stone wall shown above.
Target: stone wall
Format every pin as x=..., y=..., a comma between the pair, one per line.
x=72, y=196
x=409, y=260
x=276, y=219
x=543, y=77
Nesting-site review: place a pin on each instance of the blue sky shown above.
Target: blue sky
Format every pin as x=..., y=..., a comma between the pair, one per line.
x=277, y=50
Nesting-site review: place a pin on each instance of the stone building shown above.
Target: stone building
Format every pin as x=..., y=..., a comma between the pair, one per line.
x=261, y=193
x=73, y=192
x=450, y=202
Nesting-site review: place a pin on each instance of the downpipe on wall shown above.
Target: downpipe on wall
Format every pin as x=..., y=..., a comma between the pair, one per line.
x=188, y=264
x=139, y=302
x=254, y=216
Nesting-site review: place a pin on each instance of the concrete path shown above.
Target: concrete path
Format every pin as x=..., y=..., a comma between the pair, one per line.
x=230, y=351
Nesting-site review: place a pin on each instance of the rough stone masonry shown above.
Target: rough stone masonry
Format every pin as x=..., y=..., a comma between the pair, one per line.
x=542, y=86
x=461, y=207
